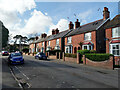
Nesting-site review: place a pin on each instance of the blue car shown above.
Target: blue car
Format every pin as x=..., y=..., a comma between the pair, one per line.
x=40, y=55
x=15, y=58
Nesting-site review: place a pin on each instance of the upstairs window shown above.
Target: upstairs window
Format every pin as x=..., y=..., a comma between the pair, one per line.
x=48, y=43
x=87, y=36
x=116, y=32
x=115, y=49
x=42, y=43
x=57, y=42
x=69, y=39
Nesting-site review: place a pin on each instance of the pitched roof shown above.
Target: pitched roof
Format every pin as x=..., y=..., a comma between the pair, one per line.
x=114, y=22
x=86, y=28
x=59, y=35
x=42, y=39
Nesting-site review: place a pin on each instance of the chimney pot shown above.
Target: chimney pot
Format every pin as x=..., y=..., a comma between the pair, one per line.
x=53, y=31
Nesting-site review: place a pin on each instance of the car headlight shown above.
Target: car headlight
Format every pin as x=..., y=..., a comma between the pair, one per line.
x=40, y=56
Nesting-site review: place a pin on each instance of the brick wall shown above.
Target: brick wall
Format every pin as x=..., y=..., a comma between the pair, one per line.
x=69, y=59
x=31, y=47
x=52, y=57
x=80, y=38
x=108, y=64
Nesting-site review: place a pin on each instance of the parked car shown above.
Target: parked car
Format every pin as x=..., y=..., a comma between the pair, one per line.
x=40, y=55
x=5, y=53
x=15, y=58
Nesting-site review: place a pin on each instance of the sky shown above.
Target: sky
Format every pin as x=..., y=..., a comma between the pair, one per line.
x=27, y=17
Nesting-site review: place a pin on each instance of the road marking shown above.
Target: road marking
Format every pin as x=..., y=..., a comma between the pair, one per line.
x=22, y=73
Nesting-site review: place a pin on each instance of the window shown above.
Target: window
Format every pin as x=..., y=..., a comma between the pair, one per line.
x=42, y=49
x=88, y=47
x=116, y=32
x=68, y=49
x=69, y=39
x=87, y=36
x=115, y=49
x=48, y=43
x=57, y=42
x=42, y=43
x=57, y=47
x=48, y=48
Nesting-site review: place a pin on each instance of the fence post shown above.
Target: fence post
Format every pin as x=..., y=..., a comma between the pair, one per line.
x=78, y=58
x=84, y=59
x=48, y=54
x=59, y=55
x=63, y=56
x=56, y=55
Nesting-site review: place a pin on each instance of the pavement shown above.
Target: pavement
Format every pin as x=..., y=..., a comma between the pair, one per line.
x=58, y=74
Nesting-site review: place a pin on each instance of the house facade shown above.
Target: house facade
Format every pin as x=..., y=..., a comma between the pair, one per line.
x=89, y=36
x=113, y=38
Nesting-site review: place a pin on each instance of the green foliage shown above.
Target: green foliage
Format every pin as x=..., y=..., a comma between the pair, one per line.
x=92, y=51
x=98, y=56
x=70, y=55
x=83, y=51
x=25, y=50
x=35, y=52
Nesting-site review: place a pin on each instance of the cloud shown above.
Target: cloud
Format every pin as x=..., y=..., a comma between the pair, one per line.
x=61, y=25
x=84, y=16
x=9, y=11
x=37, y=23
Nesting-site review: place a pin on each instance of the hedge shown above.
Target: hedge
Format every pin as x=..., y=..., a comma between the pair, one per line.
x=70, y=55
x=83, y=51
x=53, y=52
x=98, y=56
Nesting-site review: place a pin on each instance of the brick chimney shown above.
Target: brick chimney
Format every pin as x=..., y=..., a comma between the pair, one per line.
x=36, y=38
x=77, y=24
x=56, y=31
x=43, y=35
x=71, y=25
x=53, y=31
x=106, y=13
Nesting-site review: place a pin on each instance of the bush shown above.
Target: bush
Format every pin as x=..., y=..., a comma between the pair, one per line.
x=35, y=52
x=83, y=51
x=70, y=55
x=92, y=51
x=98, y=57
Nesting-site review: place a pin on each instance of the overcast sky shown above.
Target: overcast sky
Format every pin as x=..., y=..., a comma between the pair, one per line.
x=27, y=16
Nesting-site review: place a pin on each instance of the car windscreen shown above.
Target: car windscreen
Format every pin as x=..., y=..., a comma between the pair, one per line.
x=42, y=54
x=16, y=54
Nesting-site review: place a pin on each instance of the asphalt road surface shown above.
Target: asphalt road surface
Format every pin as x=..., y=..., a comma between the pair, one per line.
x=56, y=74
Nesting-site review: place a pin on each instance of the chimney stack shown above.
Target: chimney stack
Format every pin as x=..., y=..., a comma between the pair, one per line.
x=56, y=31
x=53, y=31
x=36, y=38
x=106, y=13
x=71, y=26
x=77, y=24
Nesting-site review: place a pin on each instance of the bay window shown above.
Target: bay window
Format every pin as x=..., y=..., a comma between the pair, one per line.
x=87, y=36
x=48, y=43
x=57, y=47
x=68, y=49
x=88, y=47
x=42, y=43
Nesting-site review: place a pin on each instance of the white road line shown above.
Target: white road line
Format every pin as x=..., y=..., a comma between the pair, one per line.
x=22, y=73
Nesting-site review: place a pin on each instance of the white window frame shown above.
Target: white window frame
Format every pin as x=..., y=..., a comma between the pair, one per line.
x=68, y=47
x=48, y=48
x=69, y=39
x=87, y=34
x=48, y=43
x=111, y=48
x=42, y=43
x=57, y=47
x=87, y=47
x=117, y=29
x=57, y=41
x=42, y=49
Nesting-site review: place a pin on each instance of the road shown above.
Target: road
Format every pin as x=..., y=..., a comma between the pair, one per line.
x=58, y=74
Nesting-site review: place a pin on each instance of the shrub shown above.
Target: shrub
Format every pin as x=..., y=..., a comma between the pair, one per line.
x=70, y=55
x=35, y=52
x=98, y=56
x=25, y=50
x=83, y=51
x=53, y=52
x=92, y=51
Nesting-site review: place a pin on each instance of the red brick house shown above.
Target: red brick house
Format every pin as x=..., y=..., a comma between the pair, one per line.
x=91, y=35
x=113, y=37
x=56, y=40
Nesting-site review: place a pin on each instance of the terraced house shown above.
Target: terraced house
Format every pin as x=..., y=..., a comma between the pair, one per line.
x=91, y=35
x=113, y=37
